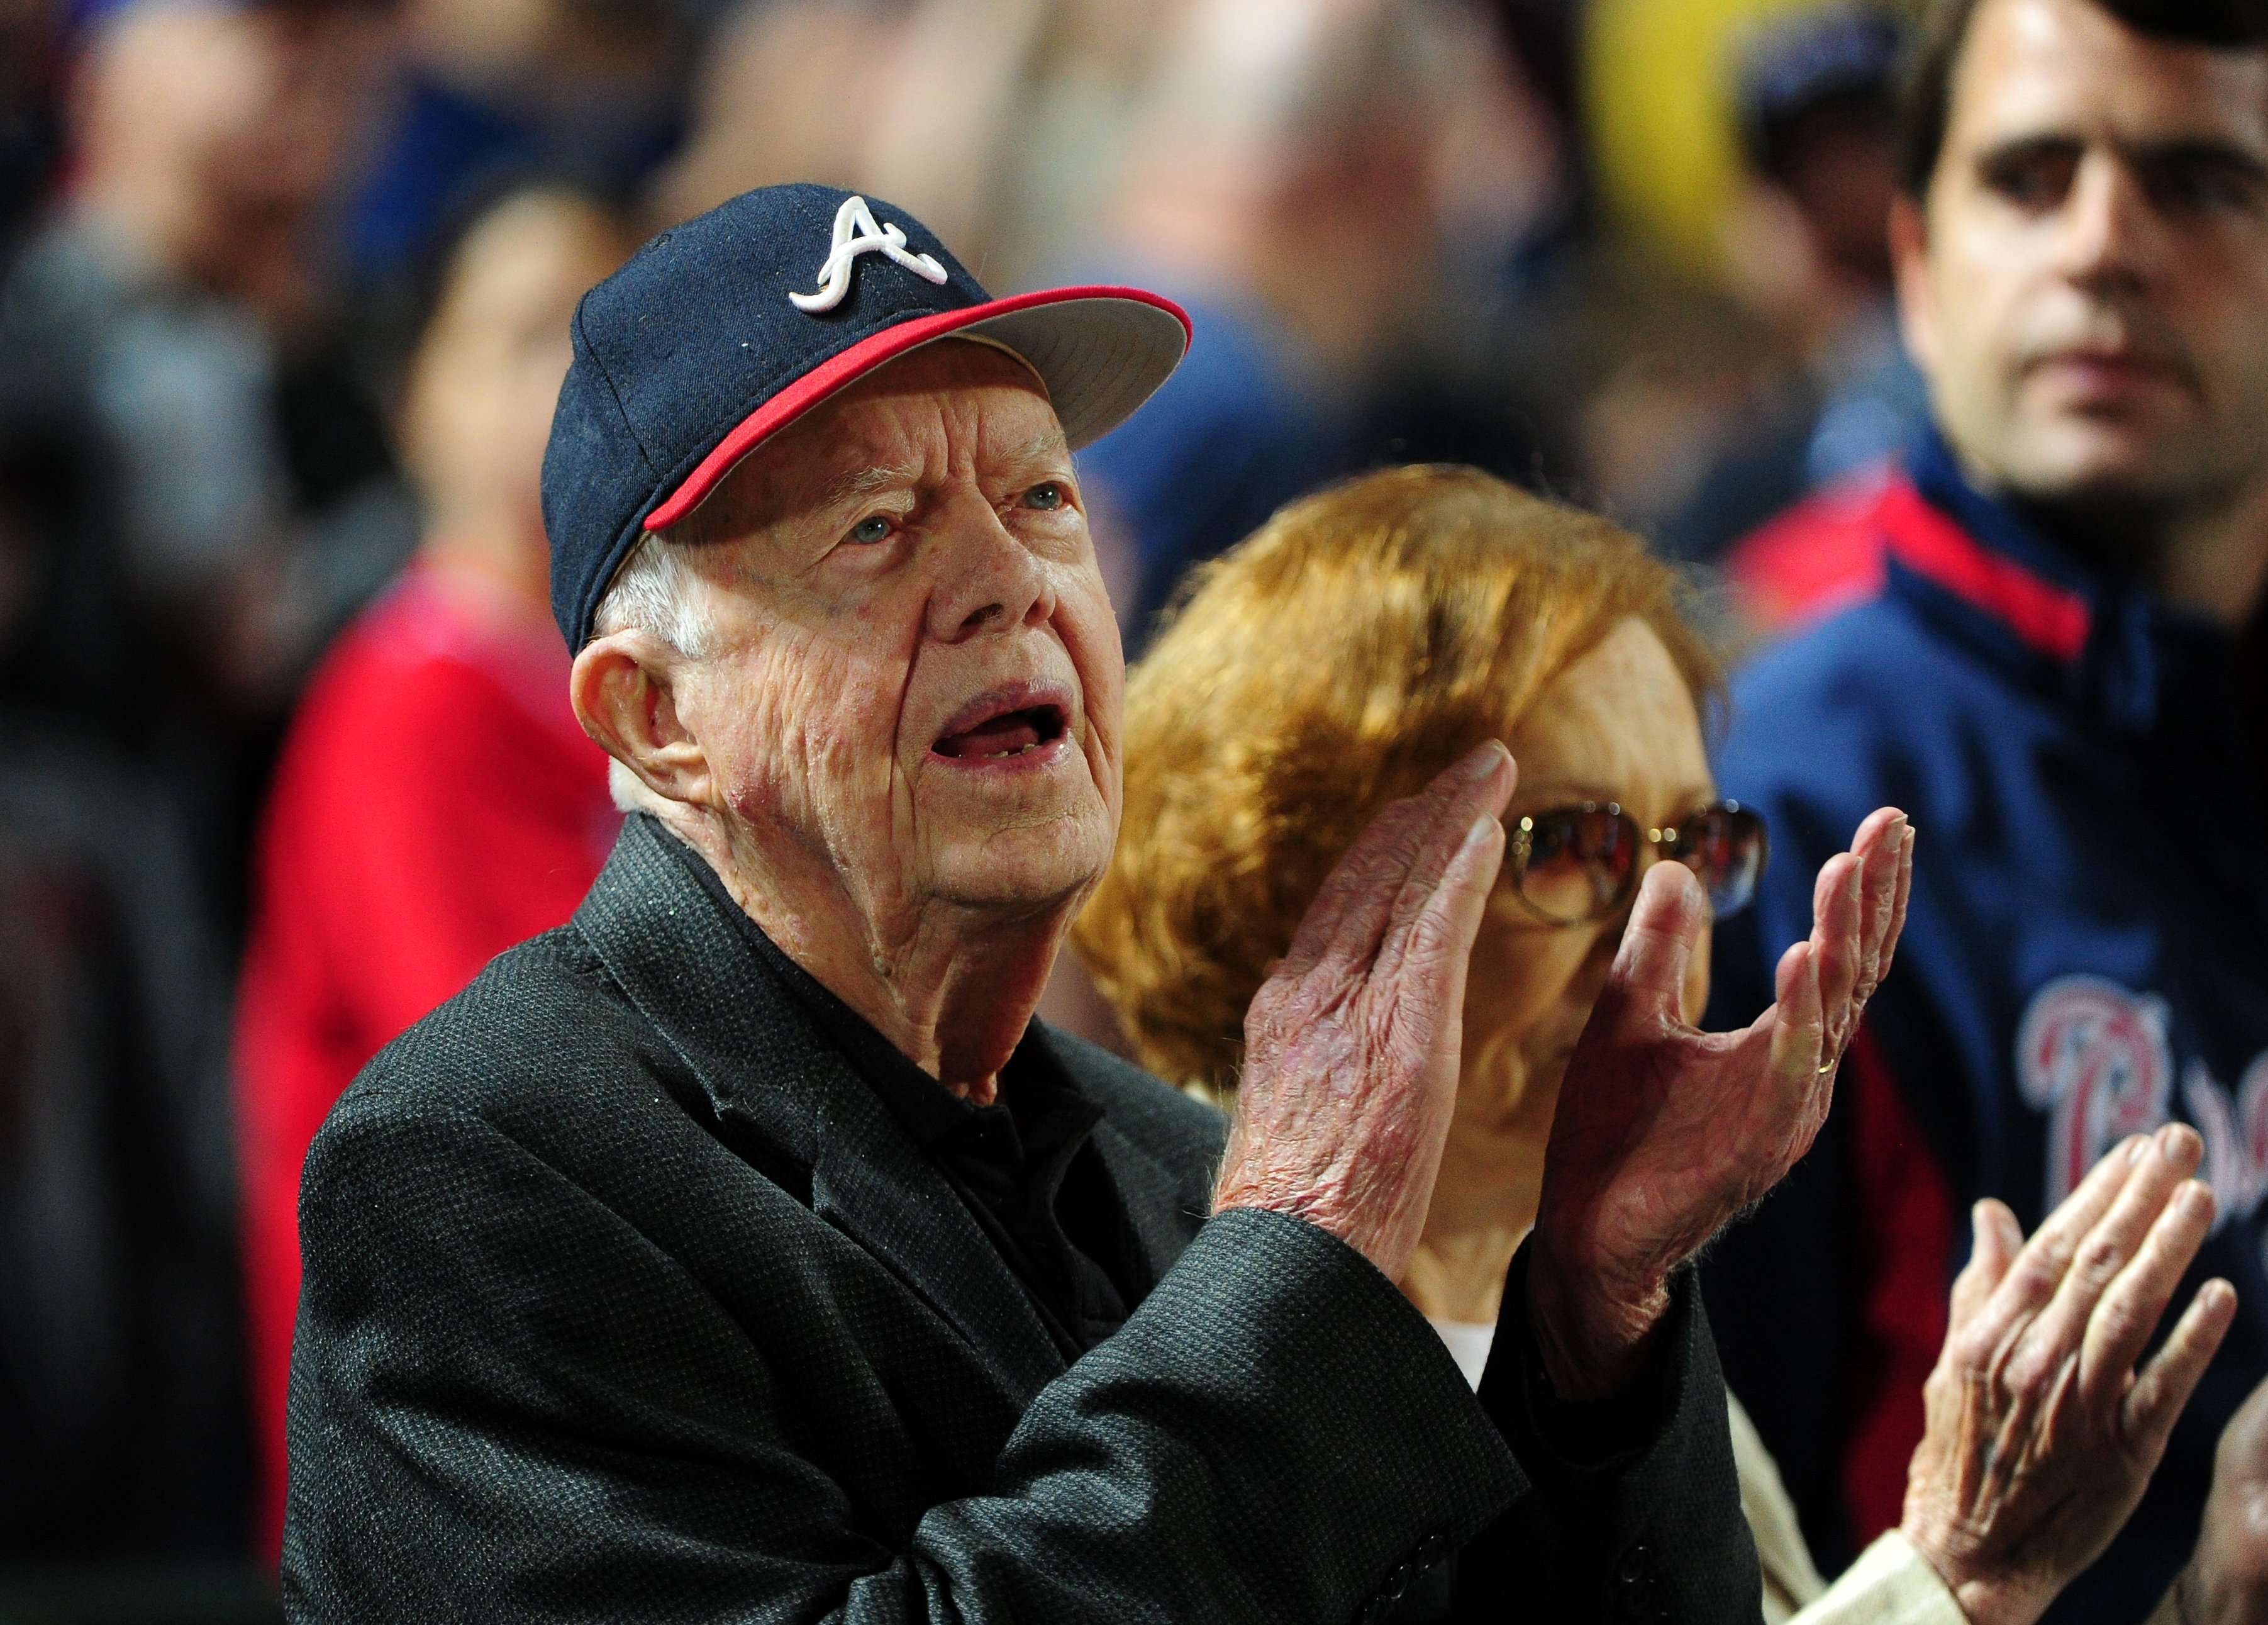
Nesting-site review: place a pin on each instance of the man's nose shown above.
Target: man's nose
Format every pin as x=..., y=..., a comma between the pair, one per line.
x=2108, y=240
x=986, y=579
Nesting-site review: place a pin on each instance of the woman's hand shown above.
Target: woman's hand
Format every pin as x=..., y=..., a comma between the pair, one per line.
x=2041, y=1435
x=1663, y=1131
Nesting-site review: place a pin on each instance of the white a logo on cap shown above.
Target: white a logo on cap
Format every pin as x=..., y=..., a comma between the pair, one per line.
x=855, y=233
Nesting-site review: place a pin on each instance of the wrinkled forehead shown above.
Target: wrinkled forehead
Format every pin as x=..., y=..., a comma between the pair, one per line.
x=957, y=407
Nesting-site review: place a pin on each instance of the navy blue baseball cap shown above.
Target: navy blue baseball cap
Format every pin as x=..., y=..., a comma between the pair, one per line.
x=722, y=331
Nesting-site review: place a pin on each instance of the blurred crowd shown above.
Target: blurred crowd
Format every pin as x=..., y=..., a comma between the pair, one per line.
x=284, y=291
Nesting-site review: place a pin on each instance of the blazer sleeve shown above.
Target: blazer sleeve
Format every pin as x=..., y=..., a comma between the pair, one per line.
x=1646, y=1533
x=507, y=1403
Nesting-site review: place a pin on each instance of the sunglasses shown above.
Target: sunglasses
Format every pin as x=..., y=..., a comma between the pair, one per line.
x=1573, y=865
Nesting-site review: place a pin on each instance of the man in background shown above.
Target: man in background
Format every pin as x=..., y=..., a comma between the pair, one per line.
x=2059, y=678
x=176, y=384
x=1810, y=243
x=184, y=470
x=437, y=800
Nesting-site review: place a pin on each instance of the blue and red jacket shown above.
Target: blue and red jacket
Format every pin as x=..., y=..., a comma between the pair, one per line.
x=2085, y=956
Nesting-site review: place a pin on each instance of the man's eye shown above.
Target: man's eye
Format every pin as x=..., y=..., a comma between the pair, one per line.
x=1044, y=496
x=876, y=528
x=2033, y=180
x=2204, y=187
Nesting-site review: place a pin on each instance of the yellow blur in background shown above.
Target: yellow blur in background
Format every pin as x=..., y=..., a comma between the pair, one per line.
x=1657, y=79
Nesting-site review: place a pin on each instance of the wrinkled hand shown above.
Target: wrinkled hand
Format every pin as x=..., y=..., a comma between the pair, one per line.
x=2042, y=1435
x=2226, y=1581
x=1352, y=1045
x=1663, y=1131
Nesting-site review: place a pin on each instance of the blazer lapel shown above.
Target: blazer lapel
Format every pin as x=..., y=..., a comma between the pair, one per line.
x=1155, y=1196
x=1149, y=1192
x=765, y=1067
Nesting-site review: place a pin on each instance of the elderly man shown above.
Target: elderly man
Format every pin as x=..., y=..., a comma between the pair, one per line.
x=744, y=1248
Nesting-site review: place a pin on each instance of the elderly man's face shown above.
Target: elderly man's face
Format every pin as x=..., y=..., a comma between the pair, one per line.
x=918, y=679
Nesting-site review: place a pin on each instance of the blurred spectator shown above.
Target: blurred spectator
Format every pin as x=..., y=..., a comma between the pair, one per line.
x=1310, y=178
x=1001, y=121
x=2060, y=677
x=1546, y=38
x=1025, y=157
x=122, y=1419
x=767, y=100
x=437, y=800
x=492, y=87
x=1658, y=88
x=189, y=484
x=1809, y=245
x=1661, y=374
x=215, y=483
x=31, y=111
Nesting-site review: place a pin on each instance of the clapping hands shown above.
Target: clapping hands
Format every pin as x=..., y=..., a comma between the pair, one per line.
x=1663, y=1131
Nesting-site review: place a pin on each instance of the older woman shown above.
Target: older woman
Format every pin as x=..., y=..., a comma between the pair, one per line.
x=1335, y=660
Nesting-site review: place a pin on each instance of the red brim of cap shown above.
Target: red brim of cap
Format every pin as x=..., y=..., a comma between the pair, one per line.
x=1102, y=352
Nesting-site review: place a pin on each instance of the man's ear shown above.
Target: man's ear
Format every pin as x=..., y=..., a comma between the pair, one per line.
x=1910, y=265
x=624, y=693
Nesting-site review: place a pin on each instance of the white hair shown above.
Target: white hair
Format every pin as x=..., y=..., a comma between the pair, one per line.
x=658, y=591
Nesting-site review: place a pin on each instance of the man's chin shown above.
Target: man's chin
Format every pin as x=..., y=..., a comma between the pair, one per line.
x=2122, y=463
x=1029, y=871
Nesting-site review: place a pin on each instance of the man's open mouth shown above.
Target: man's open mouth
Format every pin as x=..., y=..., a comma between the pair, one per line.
x=1002, y=735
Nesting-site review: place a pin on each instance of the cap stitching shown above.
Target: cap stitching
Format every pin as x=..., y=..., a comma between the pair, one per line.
x=599, y=361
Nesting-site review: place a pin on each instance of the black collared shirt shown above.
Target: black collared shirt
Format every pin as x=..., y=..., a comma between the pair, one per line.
x=1025, y=1166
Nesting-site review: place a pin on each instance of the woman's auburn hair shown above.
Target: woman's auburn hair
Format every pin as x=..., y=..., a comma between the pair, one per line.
x=1356, y=643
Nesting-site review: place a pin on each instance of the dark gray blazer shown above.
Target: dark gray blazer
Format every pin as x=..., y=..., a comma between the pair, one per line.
x=626, y=1300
